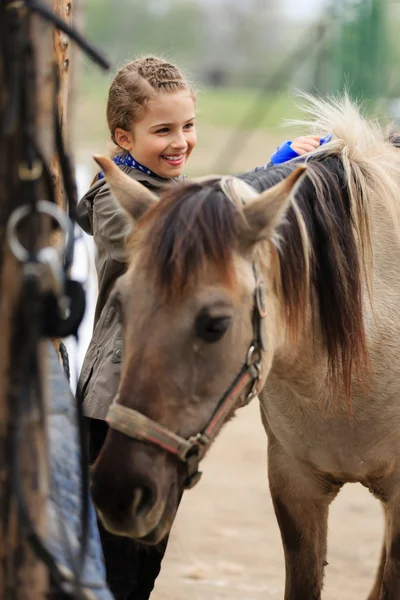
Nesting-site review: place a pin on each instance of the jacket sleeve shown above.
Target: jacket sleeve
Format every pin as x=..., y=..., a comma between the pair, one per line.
x=111, y=224
x=84, y=215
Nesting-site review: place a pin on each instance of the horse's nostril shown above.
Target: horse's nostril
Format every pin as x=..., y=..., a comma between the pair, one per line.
x=141, y=500
x=137, y=499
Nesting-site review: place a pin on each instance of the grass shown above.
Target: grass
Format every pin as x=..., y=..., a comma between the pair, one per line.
x=238, y=107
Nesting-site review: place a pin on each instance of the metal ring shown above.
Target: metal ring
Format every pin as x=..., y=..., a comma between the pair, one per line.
x=20, y=213
x=250, y=356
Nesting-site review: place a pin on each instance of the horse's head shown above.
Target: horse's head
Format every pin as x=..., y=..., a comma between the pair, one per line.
x=193, y=333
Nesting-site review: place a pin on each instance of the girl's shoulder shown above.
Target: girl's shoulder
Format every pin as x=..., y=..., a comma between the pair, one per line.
x=100, y=189
x=100, y=183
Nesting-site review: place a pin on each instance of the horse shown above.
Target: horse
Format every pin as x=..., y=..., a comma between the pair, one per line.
x=283, y=284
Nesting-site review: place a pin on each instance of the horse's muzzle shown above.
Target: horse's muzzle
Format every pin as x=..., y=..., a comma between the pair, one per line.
x=136, y=497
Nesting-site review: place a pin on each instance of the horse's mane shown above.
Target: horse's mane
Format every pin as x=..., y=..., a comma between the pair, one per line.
x=324, y=245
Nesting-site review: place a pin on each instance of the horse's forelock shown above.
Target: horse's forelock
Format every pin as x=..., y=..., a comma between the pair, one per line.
x=192, y=226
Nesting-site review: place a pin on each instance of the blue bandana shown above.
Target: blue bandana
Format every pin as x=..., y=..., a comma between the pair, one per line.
x=127, y=160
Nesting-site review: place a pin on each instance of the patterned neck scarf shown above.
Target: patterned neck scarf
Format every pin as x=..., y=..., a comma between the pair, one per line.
x=127, y=160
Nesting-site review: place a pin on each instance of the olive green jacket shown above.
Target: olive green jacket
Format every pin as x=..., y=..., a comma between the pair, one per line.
x=101, y=216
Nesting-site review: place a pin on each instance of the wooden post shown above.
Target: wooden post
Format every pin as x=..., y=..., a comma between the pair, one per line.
x=22, y=575
x=63, y=8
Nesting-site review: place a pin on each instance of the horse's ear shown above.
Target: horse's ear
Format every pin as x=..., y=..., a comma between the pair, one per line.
x=134, y=197
x=263, y=214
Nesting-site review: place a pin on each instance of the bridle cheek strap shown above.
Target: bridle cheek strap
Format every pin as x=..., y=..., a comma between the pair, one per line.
x=190, y=451
x=138, y=426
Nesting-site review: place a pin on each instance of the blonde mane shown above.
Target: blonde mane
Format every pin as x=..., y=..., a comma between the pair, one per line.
x=370, y=161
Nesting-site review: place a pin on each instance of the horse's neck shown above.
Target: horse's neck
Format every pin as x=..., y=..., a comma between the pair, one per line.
x=300, y=368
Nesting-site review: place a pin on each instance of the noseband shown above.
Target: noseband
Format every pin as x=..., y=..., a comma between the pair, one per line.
x=191, y=451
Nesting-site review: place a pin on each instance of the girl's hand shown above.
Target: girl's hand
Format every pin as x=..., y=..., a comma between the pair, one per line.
x=306, y=143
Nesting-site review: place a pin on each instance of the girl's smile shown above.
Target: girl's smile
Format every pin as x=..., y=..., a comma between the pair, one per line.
x=163, y=139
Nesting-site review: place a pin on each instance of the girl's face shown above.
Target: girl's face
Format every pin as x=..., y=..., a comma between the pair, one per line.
x=165, y=136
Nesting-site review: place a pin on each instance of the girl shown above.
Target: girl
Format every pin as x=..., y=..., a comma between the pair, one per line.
x=151, y=118
x=150, y=114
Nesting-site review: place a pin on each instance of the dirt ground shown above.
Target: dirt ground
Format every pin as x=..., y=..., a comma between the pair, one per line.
x=226, y=544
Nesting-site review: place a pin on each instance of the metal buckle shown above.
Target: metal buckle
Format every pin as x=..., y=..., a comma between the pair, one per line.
x=196, y=445
x=20, y=213
x=192, y=456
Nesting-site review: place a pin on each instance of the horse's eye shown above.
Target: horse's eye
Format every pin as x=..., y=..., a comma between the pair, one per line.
x=211, y=329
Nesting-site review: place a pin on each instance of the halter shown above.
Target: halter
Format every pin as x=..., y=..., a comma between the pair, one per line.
x=192, y=450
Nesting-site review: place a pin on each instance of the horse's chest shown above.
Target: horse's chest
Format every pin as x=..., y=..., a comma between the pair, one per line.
x=331, y=442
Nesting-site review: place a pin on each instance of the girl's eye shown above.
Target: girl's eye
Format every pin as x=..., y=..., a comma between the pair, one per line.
x=189, y=126
x=162, y=130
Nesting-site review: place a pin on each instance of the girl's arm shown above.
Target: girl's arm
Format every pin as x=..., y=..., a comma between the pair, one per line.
x=293, y=149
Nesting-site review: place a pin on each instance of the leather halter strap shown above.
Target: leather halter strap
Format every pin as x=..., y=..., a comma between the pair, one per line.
x=191, y=451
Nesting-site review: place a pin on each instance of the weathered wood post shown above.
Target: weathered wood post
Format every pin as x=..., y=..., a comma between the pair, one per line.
x=22, y=575
x=63, y=8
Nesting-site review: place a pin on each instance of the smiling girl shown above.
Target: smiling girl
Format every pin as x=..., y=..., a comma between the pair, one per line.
x=157, y=125
x=150, y=114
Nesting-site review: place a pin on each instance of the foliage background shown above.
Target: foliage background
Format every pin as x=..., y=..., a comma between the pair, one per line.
x=234, y=49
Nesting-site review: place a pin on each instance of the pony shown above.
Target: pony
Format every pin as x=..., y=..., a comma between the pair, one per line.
x=283, y=284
